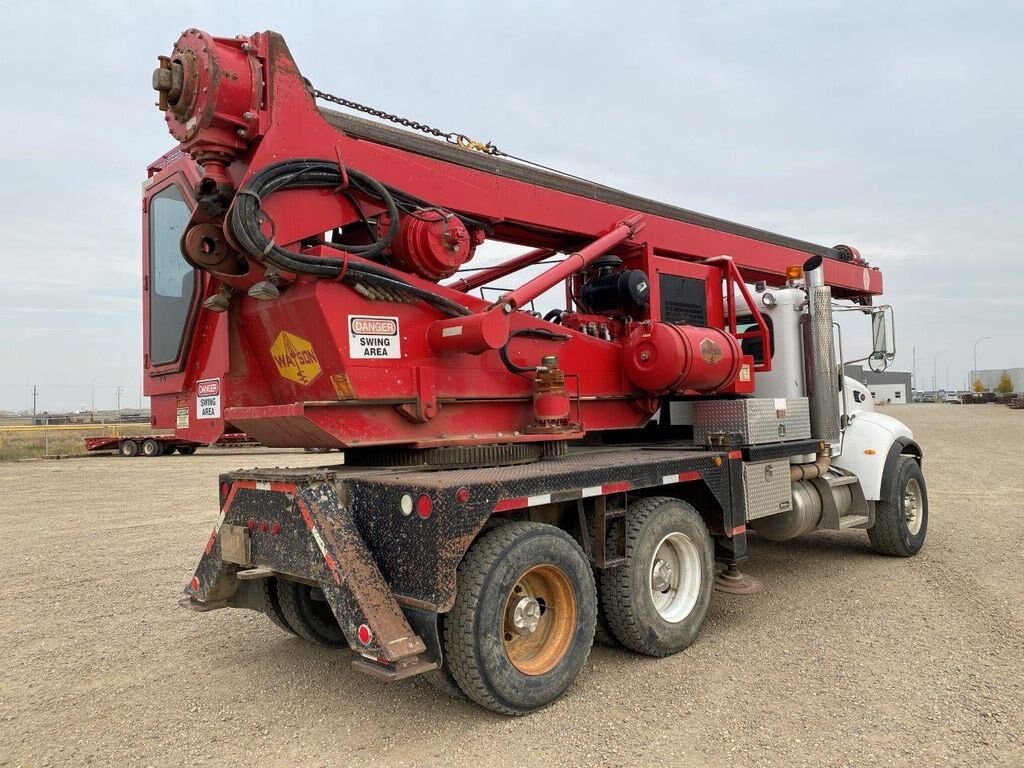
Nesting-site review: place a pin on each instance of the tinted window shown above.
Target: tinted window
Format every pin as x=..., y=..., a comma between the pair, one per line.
x=171, y=279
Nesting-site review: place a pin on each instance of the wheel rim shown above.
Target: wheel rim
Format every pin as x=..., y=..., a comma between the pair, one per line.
x=913, y=508
x=539, y=620
x=674, y=577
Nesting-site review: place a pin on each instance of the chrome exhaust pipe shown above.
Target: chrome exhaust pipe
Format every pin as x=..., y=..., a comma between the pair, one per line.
x=820, y=371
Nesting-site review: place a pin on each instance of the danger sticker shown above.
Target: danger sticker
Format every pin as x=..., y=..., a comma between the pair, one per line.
x=373, y=337
x=181, y=420
x=207, y=399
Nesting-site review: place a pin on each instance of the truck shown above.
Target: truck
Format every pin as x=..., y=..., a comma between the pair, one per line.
x=514, y=484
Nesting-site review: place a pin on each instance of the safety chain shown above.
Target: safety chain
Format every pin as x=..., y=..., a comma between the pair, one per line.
x=459, y=139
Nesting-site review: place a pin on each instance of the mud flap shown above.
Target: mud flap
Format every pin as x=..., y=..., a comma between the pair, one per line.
x=300, y=528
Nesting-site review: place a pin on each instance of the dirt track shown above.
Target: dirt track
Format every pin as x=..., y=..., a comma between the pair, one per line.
x=848, y=658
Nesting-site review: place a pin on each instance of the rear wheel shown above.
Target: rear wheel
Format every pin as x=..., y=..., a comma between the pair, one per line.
x=901, y=519
x=272, y=605
x=152, y=447
x=308, y=614
x=657, y=600
x=129, y=448
x=442, y=678
x=523, y=620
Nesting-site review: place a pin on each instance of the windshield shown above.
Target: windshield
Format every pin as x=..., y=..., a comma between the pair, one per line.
x=172, y=279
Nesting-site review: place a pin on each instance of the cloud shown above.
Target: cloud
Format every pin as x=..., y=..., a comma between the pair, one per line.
x=887, y=126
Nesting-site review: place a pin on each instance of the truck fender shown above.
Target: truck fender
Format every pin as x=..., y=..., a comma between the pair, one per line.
x=872, y=445
x=902, y=446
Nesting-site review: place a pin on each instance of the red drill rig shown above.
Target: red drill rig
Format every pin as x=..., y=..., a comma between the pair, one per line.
x=294, y=276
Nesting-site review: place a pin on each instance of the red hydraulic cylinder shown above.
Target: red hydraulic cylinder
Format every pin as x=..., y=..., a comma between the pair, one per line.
x=472, y=334
x=505, y=268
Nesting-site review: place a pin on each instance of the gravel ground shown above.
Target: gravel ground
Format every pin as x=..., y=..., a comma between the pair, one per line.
x=846, y=659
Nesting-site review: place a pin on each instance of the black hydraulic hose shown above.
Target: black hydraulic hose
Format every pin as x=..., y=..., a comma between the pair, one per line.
x=312, y=173
x=536, y=333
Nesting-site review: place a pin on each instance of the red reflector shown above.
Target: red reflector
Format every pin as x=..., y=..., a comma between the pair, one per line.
x=275, y=528
x=194, y=584
x=224, y=490
x=424, y=506
x=264, y=526
x=364, y=634
x=251, y=524
x=462, y=495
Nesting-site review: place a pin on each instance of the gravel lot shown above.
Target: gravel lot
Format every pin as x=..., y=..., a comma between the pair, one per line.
x=847, y=658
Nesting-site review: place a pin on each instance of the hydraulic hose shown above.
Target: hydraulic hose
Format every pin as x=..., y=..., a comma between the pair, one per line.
x=309, y=173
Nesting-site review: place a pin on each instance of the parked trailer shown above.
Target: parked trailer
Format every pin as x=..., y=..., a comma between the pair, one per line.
x=159, y=445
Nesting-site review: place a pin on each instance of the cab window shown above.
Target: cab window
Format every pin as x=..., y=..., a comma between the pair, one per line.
x=172, y=280
x=752, y=346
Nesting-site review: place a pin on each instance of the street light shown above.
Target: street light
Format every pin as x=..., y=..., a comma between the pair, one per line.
x=935, y=371
x=92, y=387
x=983, y=338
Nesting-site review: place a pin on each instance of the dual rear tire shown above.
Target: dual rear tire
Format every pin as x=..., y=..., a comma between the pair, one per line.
x=527, y=607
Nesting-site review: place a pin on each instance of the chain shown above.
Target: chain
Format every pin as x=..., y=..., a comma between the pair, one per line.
x=458, y=139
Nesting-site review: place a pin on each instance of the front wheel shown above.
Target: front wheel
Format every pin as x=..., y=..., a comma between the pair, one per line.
x=656, y=601
x=129, y=448
x=523, y=620
x=901, y=518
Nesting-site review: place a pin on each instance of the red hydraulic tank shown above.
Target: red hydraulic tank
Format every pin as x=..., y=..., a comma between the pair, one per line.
x=663, y=357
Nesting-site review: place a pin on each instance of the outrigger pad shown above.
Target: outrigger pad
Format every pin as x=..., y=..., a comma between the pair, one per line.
x=735, y=582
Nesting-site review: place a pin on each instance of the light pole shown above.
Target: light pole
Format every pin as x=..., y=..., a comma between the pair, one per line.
x=983, y=338
x=914, y=386
x=92, y=388
x=935, y=371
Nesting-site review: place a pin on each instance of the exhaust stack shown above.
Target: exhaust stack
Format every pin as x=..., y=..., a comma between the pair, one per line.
x=821, y=373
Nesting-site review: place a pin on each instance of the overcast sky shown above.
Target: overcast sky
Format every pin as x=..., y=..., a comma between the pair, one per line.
x=894, y=127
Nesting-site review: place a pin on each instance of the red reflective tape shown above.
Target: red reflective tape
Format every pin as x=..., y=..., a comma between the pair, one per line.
x=211, y=541
x=305, y=515
x=685, y=477
x=735, y=454
x=506, y=504
x=333, y=566
x=738, y=530
x=619, y=487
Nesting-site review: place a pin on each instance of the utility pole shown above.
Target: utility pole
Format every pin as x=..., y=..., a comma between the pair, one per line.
x=120, y=391
x=92, y=387
x=35, y=395
x=935, y=371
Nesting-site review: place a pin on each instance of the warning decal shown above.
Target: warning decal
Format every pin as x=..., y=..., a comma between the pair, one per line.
x=295, y=358
x=207, y=399
x=373, y=337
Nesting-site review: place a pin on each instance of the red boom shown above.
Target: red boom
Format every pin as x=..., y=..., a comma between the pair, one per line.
x=347, y=339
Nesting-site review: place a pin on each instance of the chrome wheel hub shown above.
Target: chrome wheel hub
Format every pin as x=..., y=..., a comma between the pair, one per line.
x=913, y=507
x=526, y=613
x=675, y=577
x=661, y=575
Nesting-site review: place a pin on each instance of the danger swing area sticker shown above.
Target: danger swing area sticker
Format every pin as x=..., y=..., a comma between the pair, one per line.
x=207, y=400
x=373, y=337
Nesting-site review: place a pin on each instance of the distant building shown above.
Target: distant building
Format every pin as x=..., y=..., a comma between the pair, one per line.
x=885, y=387
x=990, y=378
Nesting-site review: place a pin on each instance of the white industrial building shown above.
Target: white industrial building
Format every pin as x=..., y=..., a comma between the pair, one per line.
x=886, y=387
x=990, y=378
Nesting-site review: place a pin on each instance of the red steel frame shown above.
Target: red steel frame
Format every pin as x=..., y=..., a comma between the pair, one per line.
x=253, y=110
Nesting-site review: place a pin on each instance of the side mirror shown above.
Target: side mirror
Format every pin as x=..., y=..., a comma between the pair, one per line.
x=883, y=339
